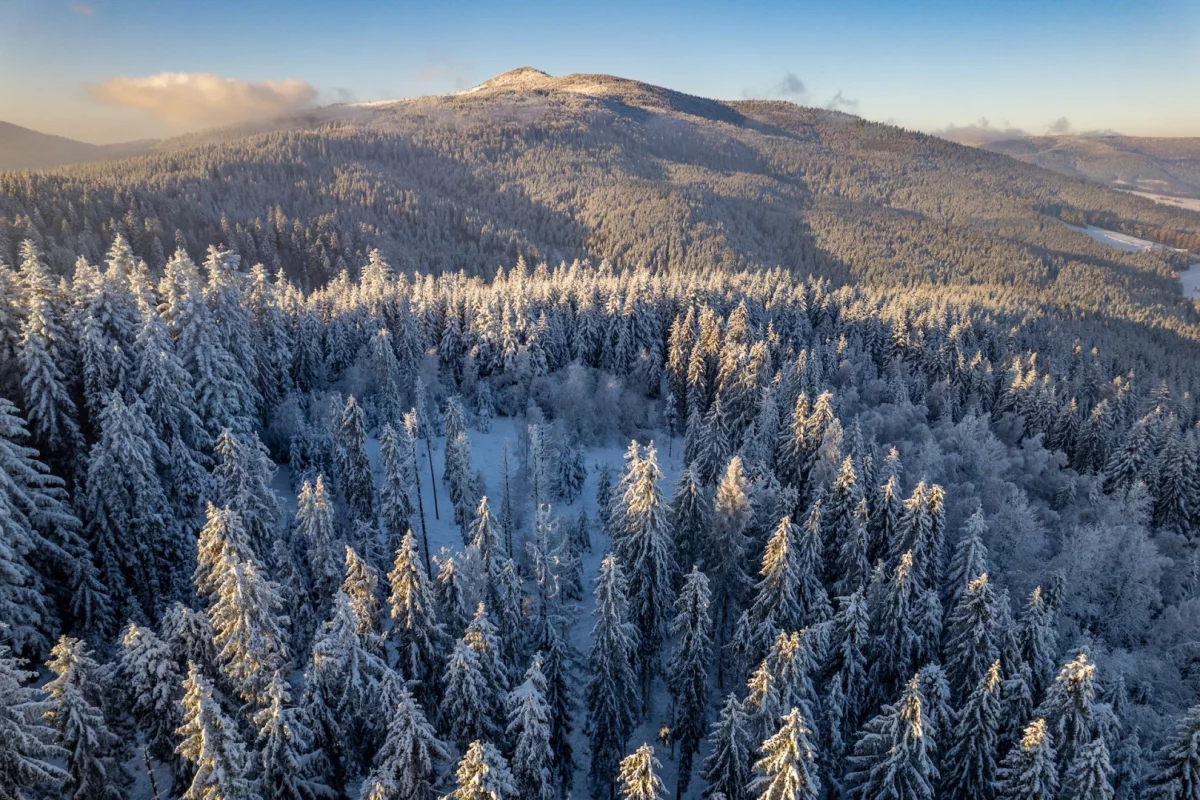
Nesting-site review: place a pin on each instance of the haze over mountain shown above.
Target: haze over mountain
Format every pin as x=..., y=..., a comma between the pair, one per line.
x=1164, y=166
x=22, y=148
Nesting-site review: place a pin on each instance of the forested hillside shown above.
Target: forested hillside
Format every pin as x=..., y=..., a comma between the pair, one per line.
x=376, y=539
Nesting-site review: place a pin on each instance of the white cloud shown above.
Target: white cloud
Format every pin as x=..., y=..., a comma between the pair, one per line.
x=191, y=98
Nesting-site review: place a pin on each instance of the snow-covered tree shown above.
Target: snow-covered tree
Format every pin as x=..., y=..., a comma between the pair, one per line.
x=80, y=728
x=419, y=637
x=243, y=476
x=972, y=637
x=1175, y=770
x=476, y=681
x=970, y=559
x=848, y=690
x=290, y=767
x=212, y=745
x=611, y=694
x=1069, y=708
x=529, y=729
x=396, y=506
x=483, y=774
x=153, y=682
x=776, y=607
x=639, y=776
x=28, y=758
x=315, y=529
x=408, y=763
x=1028, y=772
x=689, y=519
x=353, y=466
x=1089, y=776
x=687, y=671
x=893, y=756
x=727, y=768
x=1038, y=640
x=788, y=769
x=572, y=472
x=969, y=766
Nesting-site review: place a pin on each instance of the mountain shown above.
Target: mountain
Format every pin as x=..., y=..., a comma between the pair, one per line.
x=1161, y=166
x=22, y=148
x=598, y=167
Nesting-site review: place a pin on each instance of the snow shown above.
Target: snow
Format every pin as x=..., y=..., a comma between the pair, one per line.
x=1122, y=241
x=1186, y=203
x=486, y=456
x=1190, y=280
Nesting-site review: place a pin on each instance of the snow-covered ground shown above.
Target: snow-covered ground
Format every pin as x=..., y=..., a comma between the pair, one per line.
x=1122, y=241
x=1186, y=203
x=486, y=456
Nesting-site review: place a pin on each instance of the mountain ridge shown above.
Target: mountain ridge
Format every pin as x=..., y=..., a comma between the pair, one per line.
x=23, y=148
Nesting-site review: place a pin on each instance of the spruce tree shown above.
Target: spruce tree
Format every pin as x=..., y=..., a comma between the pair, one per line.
x=244, y=473
x=687, y=672
x=467, y=701
x=154, y=685
x=483, y=774
x=811, y=594
x=395, y=495
x=353, y=467
x=894, y=621
x=92, y=749
x=315, y=529
x=893, y=756
x=211, y=744
x=1175, y=770
x=972, y=638
x=788, y=769
x=1090, y=775
x=408, y=763
x=776, y=606
x=290, y=767
x=572, y=472
x=689, y=519
x=969, y=560
x=1028, y=772
x=969, y=767
x=611, y=694
x=557, y=659
x=1038, y=640
x=639, y=776
x=452, y=593
x=419, y=637
x=727, y=769
x=29, y=752
x=643, y=548
x=848, y=690
x=529, y=730
x=1069, y=708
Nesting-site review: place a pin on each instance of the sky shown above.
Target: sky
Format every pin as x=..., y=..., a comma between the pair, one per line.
x=107, y=71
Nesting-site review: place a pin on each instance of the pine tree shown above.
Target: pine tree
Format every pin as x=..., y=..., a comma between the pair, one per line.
x=315, y=528
x=529, y=717
x=727, y=768
x=26, y=760
x=361, y=585
x=813, y=599
x=452, y=593
x=406, y=767
x=725, y=549
x=687, y=672
x=639, y=777
x=1028, y=772
x=476, y=682
x=972, y=638
x=612, y=689
x=557, y=659
x=92, y=748
x=483, y=774
x=153, y=683
x=787, y=769
x=290, y=766
x=894, y=621
x=420, y=639
x=643, y=547
x=212, y=745
x=969, y=768
x=572, y=472
x=893, y=757
x=1090, y=775
x=353, y=467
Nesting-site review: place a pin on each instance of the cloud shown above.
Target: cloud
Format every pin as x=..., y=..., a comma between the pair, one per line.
x=982, y=132
x=190, y=98
x=839, y=102
x=1060, y=127
x=791, y=86
x=443, y=68
x=81, y=9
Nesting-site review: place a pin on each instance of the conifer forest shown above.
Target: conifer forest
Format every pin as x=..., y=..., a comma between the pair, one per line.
x=293, y=510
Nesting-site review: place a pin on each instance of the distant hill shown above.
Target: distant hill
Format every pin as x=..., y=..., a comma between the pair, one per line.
x=22, y=148
x=1153, y=165
x=527, y=165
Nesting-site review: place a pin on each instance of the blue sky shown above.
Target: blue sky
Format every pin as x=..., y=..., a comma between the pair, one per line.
x=1107, y=64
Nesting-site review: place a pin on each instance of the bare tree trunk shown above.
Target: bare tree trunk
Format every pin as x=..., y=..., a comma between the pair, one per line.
x=432, y=478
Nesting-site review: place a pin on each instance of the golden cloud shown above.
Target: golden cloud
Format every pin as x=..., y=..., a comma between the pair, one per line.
x=189, y=98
